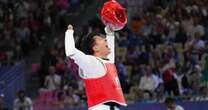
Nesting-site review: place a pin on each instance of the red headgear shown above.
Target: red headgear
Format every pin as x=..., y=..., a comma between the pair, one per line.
x=114, y=15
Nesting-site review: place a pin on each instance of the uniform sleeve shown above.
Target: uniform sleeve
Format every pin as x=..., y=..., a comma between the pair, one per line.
x=111, y=44
x=69, y=43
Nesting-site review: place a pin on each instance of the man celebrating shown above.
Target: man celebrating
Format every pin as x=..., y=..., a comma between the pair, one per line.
x=97, y=69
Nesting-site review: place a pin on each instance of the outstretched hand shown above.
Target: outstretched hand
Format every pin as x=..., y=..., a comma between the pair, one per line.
x=109, y=29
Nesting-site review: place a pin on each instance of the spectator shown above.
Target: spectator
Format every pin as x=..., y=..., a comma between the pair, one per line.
x=195, y=78
x=148, y=81
x=22, y=102
x=171, y=105
x=47, y=60
x=52, y=81
x=169, y=76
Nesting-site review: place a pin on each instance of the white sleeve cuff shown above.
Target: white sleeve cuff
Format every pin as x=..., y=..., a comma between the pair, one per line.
x=109, y=32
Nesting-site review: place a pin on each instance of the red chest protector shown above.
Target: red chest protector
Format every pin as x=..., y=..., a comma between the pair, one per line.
x=104, y=89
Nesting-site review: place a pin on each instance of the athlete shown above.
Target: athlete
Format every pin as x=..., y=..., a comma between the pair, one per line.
x=97, y=69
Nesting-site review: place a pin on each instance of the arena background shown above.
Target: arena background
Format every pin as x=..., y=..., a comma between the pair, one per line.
x=159, y=34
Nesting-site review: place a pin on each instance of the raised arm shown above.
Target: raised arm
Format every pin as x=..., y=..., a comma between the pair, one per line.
x=69, y=42
x=87, y=63
x=111, y=43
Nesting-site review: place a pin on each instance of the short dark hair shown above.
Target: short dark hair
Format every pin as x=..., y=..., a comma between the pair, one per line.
x=169, y=100
x=88, y=42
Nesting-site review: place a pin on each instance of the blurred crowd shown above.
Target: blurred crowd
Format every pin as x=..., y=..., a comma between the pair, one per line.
x=162, y=52
x=26, y=24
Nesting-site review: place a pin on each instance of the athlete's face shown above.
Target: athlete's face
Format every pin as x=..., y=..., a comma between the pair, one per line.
x=101, y=47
